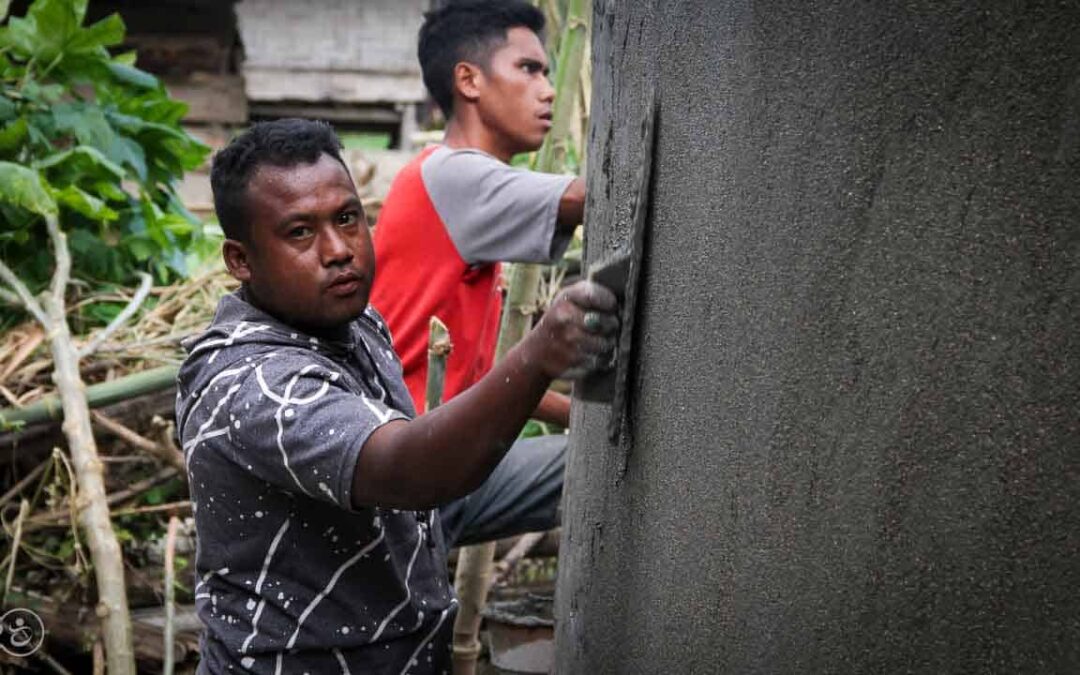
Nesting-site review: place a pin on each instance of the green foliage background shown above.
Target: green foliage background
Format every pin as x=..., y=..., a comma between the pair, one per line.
x=96, y=140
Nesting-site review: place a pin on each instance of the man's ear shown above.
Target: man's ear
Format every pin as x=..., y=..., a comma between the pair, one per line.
x=235, y=254
x=468, y=80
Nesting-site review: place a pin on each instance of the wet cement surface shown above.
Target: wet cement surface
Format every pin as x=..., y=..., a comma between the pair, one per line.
x=856, y=405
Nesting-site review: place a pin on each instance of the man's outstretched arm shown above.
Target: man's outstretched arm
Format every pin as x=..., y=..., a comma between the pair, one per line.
x=448, y=452
x=572, y=206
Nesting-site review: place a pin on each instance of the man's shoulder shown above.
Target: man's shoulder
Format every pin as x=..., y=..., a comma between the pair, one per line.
x=457, y=166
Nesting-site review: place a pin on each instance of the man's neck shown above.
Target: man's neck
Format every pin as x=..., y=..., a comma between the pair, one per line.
x=463, y=132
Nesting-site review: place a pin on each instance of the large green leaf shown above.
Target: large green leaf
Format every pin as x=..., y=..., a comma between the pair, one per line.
x=105, y=33
x=129, y=74
x=8, y=109
x=12, y=136
x=23, y=187
x=45, y=29
x=86, y=122
x=78, y=163
x=85, y=203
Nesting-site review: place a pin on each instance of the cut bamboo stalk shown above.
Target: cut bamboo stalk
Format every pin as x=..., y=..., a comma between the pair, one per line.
x=472, y=579
x=97, y=395
x=439, y=348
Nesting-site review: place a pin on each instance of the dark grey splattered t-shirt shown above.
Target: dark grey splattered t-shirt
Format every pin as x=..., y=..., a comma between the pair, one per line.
x=290, y=578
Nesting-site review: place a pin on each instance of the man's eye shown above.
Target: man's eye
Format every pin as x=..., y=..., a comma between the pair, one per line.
x=300, y=232
x=531, y=68
x=349, y=218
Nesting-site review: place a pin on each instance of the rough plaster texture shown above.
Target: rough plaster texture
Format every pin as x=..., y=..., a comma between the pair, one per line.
x=856, y=404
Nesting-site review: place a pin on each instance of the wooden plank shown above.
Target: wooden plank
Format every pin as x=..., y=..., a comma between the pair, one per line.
x=211, y=98
x=279, y=84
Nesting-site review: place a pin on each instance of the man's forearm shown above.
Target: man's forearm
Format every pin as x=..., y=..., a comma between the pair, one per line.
x=448, y=452
x=572, y=205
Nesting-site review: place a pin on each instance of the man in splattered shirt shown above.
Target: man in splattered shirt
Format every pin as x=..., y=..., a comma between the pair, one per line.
x=319, y=547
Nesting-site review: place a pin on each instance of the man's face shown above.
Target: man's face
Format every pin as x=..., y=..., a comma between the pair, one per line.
x=515, y=96
x=309, y=260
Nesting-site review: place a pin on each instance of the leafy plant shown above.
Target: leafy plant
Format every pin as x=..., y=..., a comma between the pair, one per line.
x=89, y=149
x=97, y=137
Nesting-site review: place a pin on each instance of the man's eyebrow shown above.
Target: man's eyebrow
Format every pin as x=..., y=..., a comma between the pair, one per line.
x=529, y=60
x=298, y=217
x=352, y=202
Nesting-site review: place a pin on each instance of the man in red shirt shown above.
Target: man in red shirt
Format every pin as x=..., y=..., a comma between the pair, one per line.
x=458, y=210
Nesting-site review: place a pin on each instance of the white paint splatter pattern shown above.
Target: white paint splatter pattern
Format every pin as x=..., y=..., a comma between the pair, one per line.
x=333, y=582
x=286, y=400
x=242, y=330
x=408, y=590
x=258, y=585
x=341, y=661
x=427, y=638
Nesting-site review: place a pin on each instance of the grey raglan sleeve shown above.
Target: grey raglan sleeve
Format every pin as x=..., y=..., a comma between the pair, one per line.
x=294, y=424
x=494, y=212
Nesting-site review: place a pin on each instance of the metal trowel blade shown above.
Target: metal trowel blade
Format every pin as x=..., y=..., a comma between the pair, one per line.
x=612, y=274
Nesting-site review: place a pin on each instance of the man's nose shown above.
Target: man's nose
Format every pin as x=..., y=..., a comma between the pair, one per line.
x=547, y=95
x=334, y=247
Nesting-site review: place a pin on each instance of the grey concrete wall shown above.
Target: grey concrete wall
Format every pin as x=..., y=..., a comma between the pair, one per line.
x=856, y=439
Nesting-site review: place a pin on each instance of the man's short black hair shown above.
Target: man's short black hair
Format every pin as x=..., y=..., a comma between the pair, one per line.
x=467, y=30
x=282, y=143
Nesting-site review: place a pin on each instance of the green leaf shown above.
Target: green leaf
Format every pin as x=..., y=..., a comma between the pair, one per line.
x=79, y=7
x=4, y=6
x=177, y=224
x=86, y=204
x=83, y=161
x=8, y=109
x=105, y=33
x=129, y=74
x=43, y=93
x=47, y=27
x=86, y=122
x=126, y=58
x=23, y=187
x=12, y=136
x=110, y=192
x=140, y=247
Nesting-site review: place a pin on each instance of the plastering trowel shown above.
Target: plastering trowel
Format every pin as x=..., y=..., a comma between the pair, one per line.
x=621, y=273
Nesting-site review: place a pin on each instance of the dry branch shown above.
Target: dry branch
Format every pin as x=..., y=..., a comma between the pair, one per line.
x=121, y=318
x=169, y=455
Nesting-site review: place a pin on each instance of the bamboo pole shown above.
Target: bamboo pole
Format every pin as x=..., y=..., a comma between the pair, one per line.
x=439, y=348
x=97, y=395
x=472, y=579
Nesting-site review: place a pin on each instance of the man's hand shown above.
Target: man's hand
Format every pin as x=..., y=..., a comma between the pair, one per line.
x=577, y=334
x=449, y=451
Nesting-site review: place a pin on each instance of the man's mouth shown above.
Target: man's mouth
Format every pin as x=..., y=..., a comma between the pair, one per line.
x=346, y=283
x=546, y=117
